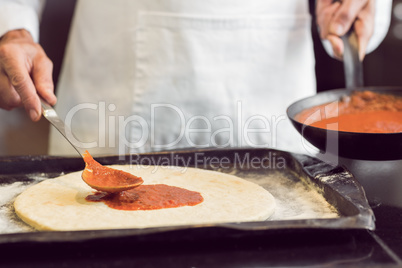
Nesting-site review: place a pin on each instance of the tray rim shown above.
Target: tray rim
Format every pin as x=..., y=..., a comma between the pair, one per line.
x=364, y=219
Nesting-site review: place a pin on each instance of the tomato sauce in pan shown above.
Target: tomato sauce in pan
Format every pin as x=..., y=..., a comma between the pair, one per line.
x=363, y=111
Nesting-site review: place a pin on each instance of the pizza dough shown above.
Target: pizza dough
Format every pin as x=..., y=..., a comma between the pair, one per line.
x=59, y=204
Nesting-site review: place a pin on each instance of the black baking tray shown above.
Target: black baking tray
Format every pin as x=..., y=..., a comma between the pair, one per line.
x=335, y=183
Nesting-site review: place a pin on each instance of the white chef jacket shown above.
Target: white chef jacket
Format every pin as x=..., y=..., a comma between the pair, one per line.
x=152, y=75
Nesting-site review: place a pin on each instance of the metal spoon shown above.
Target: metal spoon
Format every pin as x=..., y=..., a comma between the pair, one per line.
x=95, y=175
x=107, y=179
x=352, y=64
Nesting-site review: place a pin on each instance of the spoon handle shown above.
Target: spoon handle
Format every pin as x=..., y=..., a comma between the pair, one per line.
x=352, y=65
x=50, y=114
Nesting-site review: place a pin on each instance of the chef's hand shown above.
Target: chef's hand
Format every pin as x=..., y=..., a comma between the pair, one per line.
x=335, y=19
x=25, y=73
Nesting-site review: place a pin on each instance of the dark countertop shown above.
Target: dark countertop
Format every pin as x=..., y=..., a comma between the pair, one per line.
x=303, y=247
x=293, y=248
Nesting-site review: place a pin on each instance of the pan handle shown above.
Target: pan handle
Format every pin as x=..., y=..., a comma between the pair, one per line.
x=352, y=65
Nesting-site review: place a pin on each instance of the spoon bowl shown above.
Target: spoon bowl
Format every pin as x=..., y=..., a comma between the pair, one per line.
x=107, y=179
x=99, y=177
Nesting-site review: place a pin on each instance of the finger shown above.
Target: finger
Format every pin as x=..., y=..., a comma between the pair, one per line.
x=346, y=15
x=42, y=77
x=20, y=79
x=363, y=38
x=364, y=28
x=337, y=46
x=9, y=98
x=320, y=8
x=325, y=10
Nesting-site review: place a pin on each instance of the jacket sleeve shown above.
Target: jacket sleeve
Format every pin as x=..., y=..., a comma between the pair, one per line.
x=21, y=14
x=382, y=19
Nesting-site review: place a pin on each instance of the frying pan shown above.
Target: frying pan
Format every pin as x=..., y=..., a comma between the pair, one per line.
x=363, y=146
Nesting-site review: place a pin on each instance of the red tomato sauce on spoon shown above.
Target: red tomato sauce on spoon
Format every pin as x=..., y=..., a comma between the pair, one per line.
x=107, y=179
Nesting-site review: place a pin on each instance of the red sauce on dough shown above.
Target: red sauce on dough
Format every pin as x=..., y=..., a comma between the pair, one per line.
x=363, y=111
x=97, y=175
x=144, y=197
x=148, y=197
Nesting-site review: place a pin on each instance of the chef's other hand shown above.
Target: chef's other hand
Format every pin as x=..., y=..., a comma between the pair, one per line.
x=25, y=73
x=334, y=19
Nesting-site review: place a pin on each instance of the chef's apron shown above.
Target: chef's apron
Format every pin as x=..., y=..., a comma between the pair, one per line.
x=153, y=75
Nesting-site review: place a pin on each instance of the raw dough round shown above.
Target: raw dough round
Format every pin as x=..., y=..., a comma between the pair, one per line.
x=59, y=204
